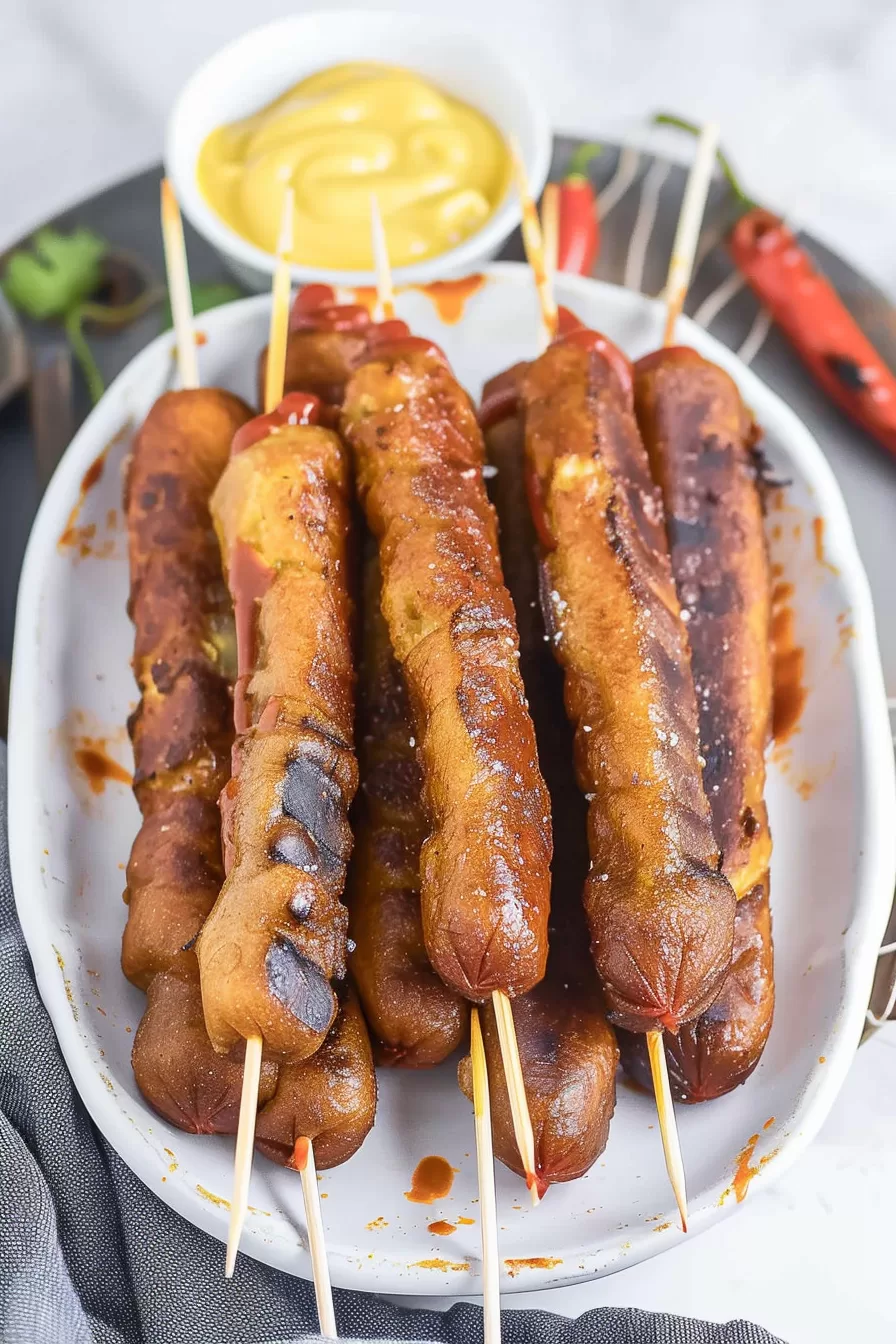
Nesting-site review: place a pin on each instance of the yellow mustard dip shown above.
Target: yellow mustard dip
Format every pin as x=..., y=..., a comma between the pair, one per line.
x=438, y=167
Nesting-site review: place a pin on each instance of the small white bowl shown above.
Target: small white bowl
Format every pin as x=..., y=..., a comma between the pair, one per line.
x=252, y=71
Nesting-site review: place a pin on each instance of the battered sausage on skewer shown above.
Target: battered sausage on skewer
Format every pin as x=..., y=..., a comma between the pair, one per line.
x=718, y=1051
x=567, y=1048
x=661, y=915
x=276, y=937
x=417, y=1020
x=184, y=662
x=700, y=440
x=484, y=867
x=329, y=1098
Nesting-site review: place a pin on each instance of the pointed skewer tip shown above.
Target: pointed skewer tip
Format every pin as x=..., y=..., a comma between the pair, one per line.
x=516, y=1091
x=485, y=1167
x=668, y=1128
x=245, y=1139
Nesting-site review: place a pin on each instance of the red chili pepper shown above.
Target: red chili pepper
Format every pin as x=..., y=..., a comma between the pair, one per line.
x=811, y=313
x=579, y=226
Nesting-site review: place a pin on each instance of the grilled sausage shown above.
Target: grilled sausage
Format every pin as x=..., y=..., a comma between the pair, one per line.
x=567, y=1048
x=720, y=1050
x=329, y=1098
x=661, y=915
x=177, y=1070
x=417, y=1020
x=184, y=663
x=700, y=439
x=700, y=442
x=276, y=937
x=484, y=866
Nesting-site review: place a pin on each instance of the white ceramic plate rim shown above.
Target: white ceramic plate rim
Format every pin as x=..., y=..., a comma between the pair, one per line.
x=875, y=767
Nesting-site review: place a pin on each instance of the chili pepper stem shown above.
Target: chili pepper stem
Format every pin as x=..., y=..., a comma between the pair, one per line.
x=669, y=119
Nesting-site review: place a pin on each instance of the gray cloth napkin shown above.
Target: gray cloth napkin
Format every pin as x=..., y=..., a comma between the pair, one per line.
x=89, y=1256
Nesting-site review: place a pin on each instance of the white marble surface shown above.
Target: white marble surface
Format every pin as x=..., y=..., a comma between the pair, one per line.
x=805, y=95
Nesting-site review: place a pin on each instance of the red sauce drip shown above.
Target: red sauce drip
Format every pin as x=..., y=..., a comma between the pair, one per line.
x=316, y=309
x=450, y=296
x=745, y=1172
x=249, y=579
x=441, y=1228
x=73, y=535
x=300, y=1154
x=392, y=340
x=567, y=321
x=296, y=408
x=432, y=1179
x=97, y=765
x=788, y=664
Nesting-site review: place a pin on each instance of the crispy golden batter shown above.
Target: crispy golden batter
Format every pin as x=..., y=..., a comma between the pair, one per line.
x=720, y=1050
x=183, y=660
x=276, y=936
x=182, y=733
x=329, y=1098
x=661, y=915
x=567, y=1048
x=416, y=1019
x=699, y=438
x=484, y=867
x=177, y=1070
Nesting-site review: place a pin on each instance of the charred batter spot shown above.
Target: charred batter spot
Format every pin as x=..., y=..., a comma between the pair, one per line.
x=720, y=598
x=850, y=373
x=299, y=985
x=688, y=533
x=750, y=823
x=313, y=798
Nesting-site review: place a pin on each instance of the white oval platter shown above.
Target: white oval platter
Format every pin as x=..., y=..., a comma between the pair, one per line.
x=831, y=798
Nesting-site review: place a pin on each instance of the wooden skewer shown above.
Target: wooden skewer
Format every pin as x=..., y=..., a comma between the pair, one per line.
x=279, y=332
x=687, y=234
x=684, y=249
x=516, y=1091
x=245, y=1141
x=535, y=253
x=303, y=1154
x=485, y=1164
x=668, y=1128
x=550, y=231
x=179, y=287
x=510, y=1055
x=303, y=1161
x=384, y=291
